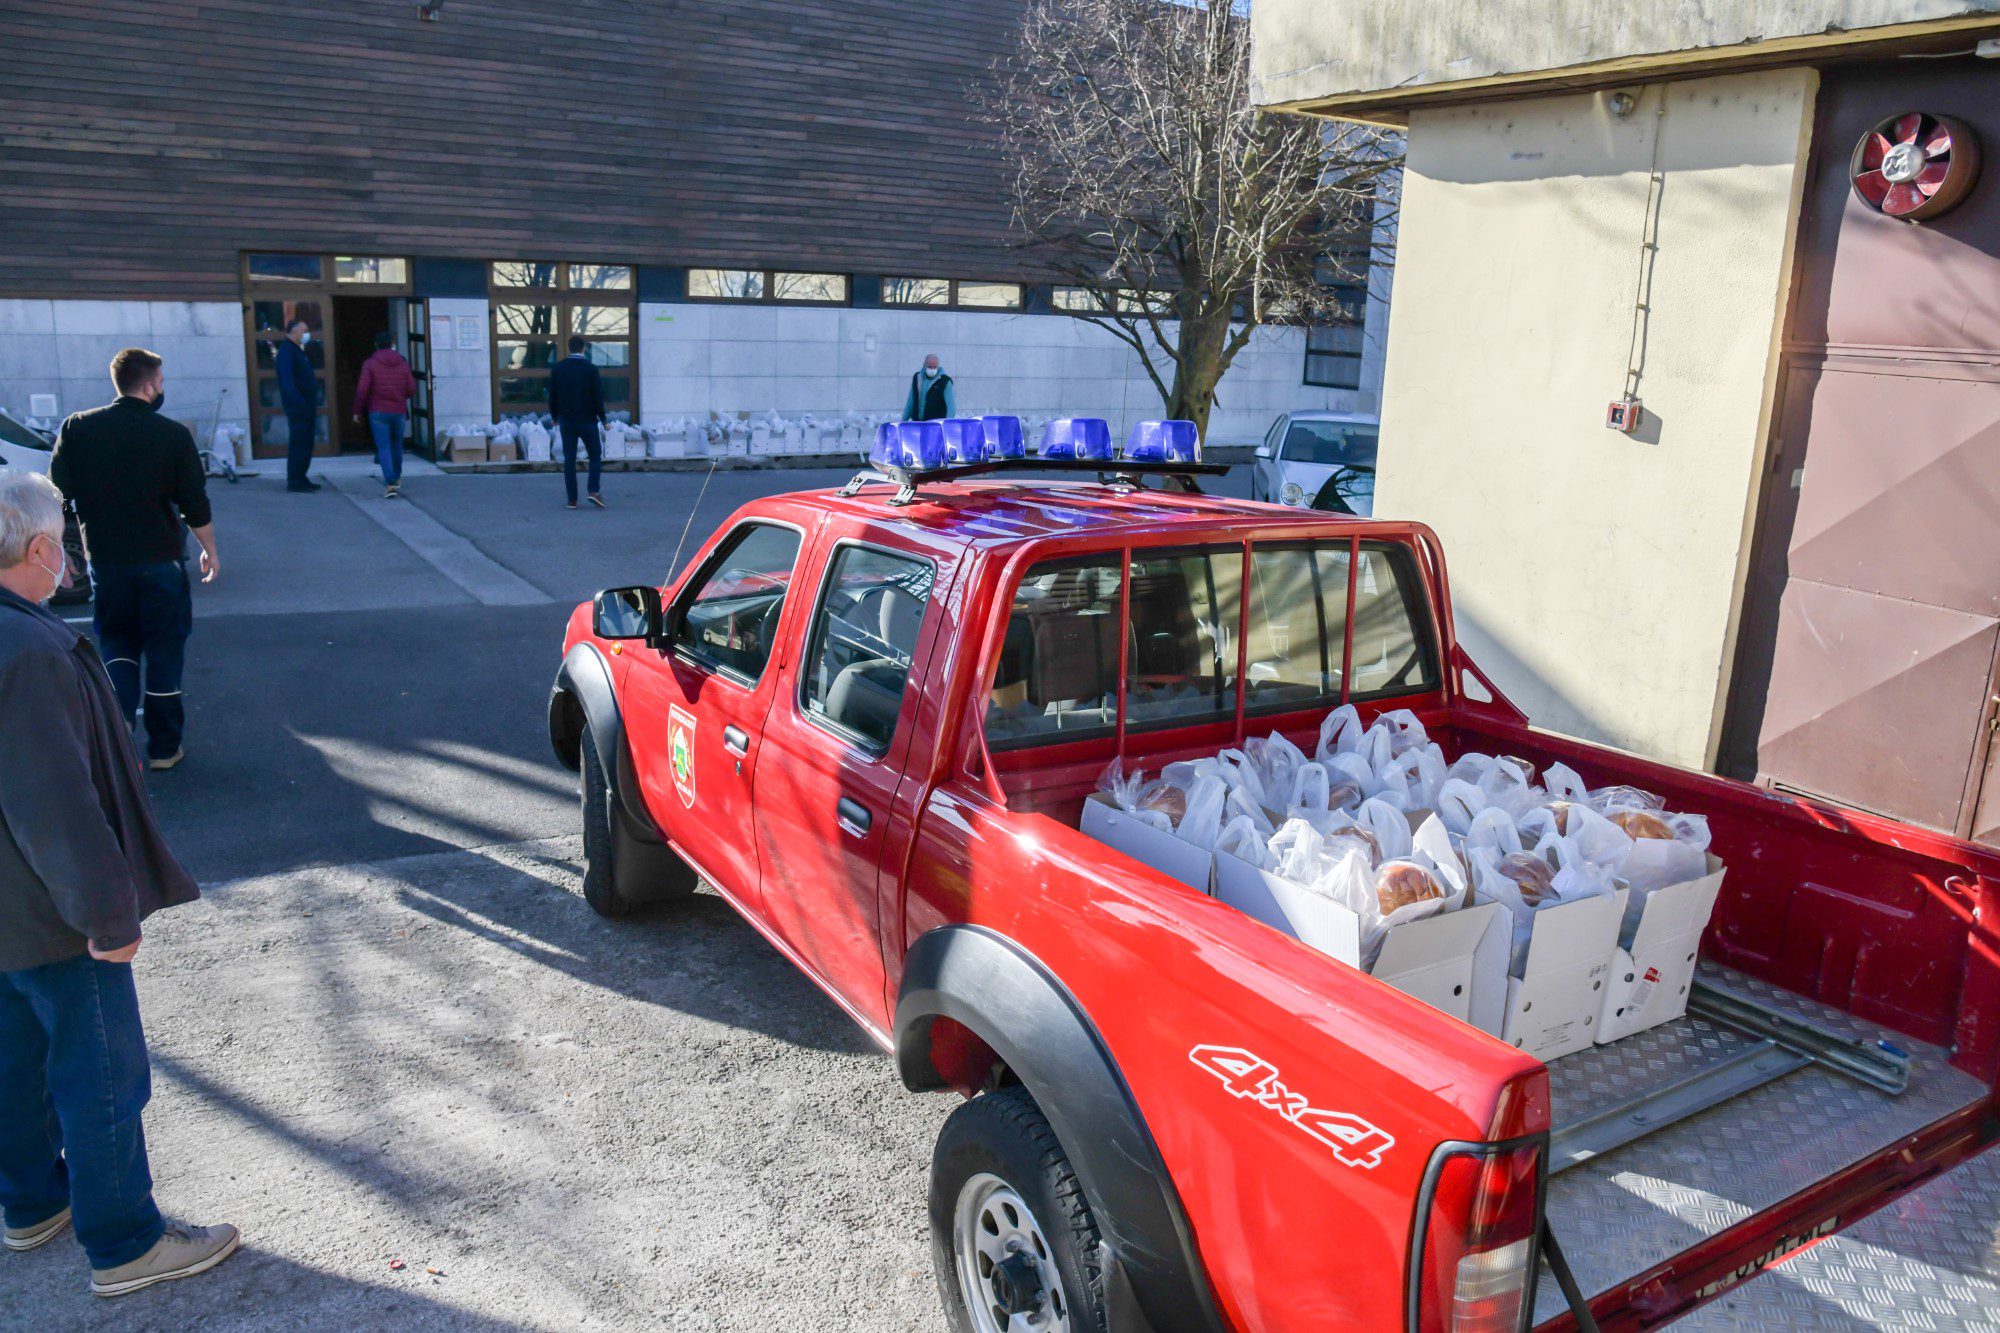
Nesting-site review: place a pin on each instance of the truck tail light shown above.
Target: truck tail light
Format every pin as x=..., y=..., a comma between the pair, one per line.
x=1475, y=1272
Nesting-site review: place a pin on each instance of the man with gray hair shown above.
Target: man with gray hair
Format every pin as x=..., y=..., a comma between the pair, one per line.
x=82, y=863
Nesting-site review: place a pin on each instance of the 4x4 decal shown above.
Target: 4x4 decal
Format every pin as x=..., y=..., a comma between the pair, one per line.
x=1354, y=1141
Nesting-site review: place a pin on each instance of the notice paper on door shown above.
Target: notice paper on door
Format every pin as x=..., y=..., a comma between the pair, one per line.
x=441, y=337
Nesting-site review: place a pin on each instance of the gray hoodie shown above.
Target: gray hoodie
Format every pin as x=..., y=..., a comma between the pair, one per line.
x=81, y=856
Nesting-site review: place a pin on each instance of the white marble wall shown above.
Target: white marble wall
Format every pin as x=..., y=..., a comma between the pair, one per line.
x=462, y=377
x=65, y=348
x=694, y=359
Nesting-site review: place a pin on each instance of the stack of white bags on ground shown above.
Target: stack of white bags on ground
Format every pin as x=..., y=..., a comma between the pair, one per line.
x=1377, y=821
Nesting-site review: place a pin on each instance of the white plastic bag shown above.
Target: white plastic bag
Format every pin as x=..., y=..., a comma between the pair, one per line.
x=1340, y=733
x=1242, y=839
x=535, y=446
x=1388, y=826
x=1297, y=852
x=1311, y=789
x=1563, y=784
x=1458, y=803
x=1406, y=730
x=1202, y=823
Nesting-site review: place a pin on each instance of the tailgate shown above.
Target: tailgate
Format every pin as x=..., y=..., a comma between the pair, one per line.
x=1682, y=1213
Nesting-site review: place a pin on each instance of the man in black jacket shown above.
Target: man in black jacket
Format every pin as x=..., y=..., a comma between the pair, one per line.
x=135, y=478
x=576, y=401
x=82, y=863
x=298, y=390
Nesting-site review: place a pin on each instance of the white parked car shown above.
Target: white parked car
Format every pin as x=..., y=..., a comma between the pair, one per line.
x=1318, y=460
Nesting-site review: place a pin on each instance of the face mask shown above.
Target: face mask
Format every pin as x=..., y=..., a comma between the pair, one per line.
x=930, y=372
x=160, y=399
x=61, y=571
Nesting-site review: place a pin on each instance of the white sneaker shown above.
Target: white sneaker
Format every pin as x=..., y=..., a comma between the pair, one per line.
x=182, y=1251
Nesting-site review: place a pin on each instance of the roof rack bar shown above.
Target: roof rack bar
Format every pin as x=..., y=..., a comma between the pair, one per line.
x=1111, y=471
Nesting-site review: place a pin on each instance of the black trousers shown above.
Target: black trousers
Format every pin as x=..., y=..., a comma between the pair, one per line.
x=144, y=616
x=298, y=453
x=586, y=433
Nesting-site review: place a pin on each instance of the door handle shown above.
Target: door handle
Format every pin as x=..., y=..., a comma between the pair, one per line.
x=736, y=741
x=853, y=816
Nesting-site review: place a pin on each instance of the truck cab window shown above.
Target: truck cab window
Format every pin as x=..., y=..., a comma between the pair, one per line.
x=864, y=638
x=728, y=615
x=1186, y=610
x=1298, y=626
x=1393, y=653
x=1058, y=672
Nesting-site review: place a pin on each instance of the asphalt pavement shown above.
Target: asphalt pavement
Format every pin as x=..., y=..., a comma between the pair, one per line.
x=393, y=1044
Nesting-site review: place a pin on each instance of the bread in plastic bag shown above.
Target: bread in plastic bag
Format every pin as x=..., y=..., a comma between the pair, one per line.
x=1658, y=863
x=1120, y=788
x=1350, y=768
x=1239, y=805
x=1493, y=828
x=1388, y=826
x=1459, y=802
x=1406, y=730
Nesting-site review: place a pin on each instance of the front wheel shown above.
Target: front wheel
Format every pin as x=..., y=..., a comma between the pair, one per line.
x=622, y=873
x=1012, y=1237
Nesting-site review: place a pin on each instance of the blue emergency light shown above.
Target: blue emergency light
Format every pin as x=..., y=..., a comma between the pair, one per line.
x=1164, y=442
x=912, y=445
x=964, y=439
x=886, y=452
x=1003, y=437
x=1078, y=438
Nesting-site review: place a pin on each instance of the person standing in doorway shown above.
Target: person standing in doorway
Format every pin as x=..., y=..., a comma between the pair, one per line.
x=383, y=395
x=82, y=864
x=135, y=479
x=576, y=401
x=931, y=398
x=298, y=386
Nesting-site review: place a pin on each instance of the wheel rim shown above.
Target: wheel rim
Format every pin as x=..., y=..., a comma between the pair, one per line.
x=1006, y=1268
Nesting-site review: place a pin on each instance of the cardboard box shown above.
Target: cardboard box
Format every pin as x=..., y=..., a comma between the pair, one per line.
x=503, y=451
x=465, y=448
x=1453, y=961
x=1553, y=1007
x=1171, y=856
x=1649, y=983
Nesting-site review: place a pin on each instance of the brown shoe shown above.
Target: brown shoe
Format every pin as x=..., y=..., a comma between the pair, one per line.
x=27, y=1238
x=182, y=1251
x=162, y=765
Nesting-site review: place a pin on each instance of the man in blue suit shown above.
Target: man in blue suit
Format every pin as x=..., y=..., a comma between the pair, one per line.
x=298, y=387
x=576, y=401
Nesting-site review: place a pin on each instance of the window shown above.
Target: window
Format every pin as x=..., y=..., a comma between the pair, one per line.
x=282, y=268
x=824, y=288
x=1058, y=671
x=990, y=295
x=728, y=617
x=1333, y=350
x=752, y=284
x=378, y=272
x=1186, y=613
x=944, y=292
x=916, y=291
x=725, y=284
x=537, y=304
x=1392, y=642
x=863, y=641
x=1297, y=626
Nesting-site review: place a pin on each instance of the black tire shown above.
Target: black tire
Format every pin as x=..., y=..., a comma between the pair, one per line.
x=621, y=872
x=1005, y=1135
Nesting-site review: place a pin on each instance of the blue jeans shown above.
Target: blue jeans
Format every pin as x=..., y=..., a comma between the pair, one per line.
x=573, y=433
x=143, y=617
x=388, y=428
x=73, y=1080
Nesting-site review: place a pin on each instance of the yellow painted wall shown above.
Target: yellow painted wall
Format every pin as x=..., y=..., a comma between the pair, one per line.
x=1595, y=574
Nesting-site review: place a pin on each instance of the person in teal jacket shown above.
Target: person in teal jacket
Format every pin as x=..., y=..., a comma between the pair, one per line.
x=931, y=398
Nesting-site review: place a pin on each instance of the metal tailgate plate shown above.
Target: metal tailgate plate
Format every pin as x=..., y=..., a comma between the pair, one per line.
x=1930, y=1260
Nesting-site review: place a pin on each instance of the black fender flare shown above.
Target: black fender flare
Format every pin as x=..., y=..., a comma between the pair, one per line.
x=583, y=686
x=1154, y=1279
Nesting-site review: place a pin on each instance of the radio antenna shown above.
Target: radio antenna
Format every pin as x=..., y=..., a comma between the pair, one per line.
x=675, y=566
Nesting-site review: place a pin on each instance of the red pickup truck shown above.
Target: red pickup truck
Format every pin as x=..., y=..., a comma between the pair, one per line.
x=870, y=718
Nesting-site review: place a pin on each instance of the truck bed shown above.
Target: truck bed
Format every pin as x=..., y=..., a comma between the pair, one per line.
x=1618, y=1214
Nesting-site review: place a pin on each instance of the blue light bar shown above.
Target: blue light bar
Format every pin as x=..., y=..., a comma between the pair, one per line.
x=1077, y=437
x=1003, y=437
x=964, y=439
x=886, y=451
x=1164, y=442
x=922, y=444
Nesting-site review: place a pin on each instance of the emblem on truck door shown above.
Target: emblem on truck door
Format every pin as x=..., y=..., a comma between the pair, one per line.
x=680, y=752
x=1354, y=1141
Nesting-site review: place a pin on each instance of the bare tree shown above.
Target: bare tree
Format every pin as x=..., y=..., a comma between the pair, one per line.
x=1183, y=215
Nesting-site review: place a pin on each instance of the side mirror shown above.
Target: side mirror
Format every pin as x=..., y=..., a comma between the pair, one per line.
x=627, y=613
x=1264, y=452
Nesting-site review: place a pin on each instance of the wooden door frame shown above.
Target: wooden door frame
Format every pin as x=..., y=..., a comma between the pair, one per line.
x=322, y=289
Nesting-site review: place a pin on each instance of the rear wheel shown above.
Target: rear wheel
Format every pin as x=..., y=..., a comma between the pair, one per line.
x=1012, y=1238
x=622, y=872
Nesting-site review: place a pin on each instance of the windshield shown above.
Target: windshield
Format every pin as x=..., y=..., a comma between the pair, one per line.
x=1331, y=444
